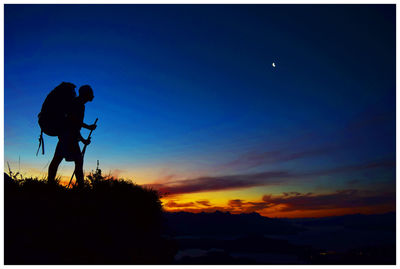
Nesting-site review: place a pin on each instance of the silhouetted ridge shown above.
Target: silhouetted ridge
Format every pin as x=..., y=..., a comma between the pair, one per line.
x=220, y=223
x=385, y=222
x=109, y=221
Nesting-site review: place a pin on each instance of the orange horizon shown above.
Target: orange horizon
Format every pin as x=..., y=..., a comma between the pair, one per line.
x=281, y=211
x=331, y=213
x=277, y=211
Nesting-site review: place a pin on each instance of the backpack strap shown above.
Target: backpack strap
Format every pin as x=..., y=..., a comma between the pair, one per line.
x=41, y=143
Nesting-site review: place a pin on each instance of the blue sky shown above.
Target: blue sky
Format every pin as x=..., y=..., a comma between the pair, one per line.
x=189, y=90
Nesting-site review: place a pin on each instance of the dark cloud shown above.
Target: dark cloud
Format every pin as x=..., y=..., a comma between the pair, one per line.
x=200, y=209
x=340, y=199
x=255, y=206
x=228, y=182
x=217, y=183
x=246, y=207
x=235, y=203
x=351, y=168
x=291, y=193
x=204, y=202
x=253, y=159
x=344, y=141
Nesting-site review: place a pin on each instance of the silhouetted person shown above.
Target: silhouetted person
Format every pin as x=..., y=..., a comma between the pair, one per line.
x=68, y=141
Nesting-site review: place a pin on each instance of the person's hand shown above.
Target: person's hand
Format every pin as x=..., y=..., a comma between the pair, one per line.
x=86, y=141
x=92, y=127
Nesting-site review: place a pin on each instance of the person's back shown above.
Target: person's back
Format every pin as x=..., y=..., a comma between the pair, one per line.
x=74, y=118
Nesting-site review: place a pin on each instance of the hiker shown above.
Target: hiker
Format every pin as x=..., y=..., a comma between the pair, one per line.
x=68, y=140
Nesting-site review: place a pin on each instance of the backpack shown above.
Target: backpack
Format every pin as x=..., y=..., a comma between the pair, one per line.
x=52, y=117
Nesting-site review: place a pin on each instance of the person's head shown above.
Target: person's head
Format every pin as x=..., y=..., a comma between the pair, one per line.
x=86, y=93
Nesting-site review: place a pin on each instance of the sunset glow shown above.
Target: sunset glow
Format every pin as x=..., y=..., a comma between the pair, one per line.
x=189, y=105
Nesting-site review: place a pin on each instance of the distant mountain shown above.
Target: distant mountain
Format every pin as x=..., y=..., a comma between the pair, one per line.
x=385, y=221
x=224, y=224
x=224, y=238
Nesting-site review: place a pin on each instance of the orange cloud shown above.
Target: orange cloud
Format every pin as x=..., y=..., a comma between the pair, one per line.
x=295, y=204
x=173, y=204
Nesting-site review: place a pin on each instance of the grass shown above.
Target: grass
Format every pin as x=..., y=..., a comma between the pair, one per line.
x=108, y=221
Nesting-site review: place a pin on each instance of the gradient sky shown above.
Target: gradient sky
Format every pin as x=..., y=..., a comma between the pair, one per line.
x=188, y=101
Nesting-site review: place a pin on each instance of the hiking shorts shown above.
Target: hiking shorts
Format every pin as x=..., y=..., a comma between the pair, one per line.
x=68, y=148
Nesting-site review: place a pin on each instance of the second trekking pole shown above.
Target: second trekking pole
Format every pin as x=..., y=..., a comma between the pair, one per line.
x=83, y=154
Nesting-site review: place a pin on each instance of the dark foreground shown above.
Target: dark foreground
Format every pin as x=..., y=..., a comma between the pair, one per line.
x=223, y=238
x=108, y=222
x=116, y=222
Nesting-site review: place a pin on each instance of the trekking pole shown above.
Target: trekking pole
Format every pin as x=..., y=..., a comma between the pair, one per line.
x=83, y=154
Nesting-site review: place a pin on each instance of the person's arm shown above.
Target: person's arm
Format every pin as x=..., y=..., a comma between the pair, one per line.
x=83, y=140
x=89, y=127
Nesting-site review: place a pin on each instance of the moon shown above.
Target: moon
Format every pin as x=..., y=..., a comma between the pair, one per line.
x=273, y=65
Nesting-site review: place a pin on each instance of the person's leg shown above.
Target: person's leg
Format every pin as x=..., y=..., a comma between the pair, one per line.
x=79, y=170
x=57, y=158
x=53, y=167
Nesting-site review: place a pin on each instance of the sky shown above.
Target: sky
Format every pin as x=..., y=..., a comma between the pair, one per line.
x=189, y=103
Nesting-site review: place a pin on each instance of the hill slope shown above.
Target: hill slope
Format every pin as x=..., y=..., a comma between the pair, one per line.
x=107, y=222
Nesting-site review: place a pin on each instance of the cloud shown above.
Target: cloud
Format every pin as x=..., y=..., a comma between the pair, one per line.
x=204, y=202
x=240, y=206
x=291, y=193
x=359, y=124
x=268, y=178
x=351, y=168
x=172, y=203
x=253, y=159
x=194, y=207
x=255, y=206
x=217, y=183
x=234, y=206
x=235, y=203
x=350, y=198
